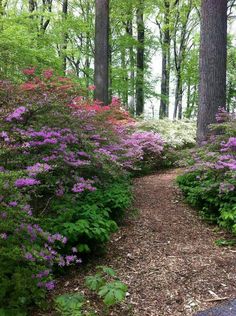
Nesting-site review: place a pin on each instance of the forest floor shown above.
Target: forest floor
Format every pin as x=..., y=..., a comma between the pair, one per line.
x=166, y=255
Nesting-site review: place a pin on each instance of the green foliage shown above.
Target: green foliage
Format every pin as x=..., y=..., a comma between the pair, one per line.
x=225, y=242
x=113, y=293
x=107, y=286
x=110, y=290
x=88, y=222
x=70, y=304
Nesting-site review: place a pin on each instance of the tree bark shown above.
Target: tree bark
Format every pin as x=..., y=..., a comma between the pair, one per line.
x=165, y=77
x=140, y=60
x=32, y=6
x=65, y=35
x=178, y=98
x=129, y=31
x=102, y=51
x=213, y=55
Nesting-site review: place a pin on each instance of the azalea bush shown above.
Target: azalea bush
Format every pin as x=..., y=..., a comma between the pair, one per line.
x=65, y=172
x=176, y=134
x=210, y=184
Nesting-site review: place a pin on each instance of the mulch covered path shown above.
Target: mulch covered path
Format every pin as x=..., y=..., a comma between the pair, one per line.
x=167, y=255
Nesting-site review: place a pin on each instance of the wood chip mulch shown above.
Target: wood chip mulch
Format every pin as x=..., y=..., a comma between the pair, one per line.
x=166, y=255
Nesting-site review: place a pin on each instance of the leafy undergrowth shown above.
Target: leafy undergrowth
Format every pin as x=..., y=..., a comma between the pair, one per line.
x=210, y=184
x=65, y=175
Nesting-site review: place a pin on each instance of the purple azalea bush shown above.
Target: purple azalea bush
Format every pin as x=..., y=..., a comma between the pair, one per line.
x=210, y=183
x=64, y=177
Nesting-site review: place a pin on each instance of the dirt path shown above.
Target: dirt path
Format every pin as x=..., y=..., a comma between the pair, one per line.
x=167, y=255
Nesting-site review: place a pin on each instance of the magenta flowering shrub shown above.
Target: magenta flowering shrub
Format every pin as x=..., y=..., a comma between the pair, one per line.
x=64, y=179
x=29, y=254
x=210, y=184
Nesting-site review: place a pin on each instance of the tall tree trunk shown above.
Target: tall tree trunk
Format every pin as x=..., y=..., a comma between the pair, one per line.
x=65, y=35
x=124, y=77
x=87, y=60
x=188, y=94
x=178, y=98
x=140, y=60
x=129, y=31
x=165, y=77
x=102, y=51
x=213, y=55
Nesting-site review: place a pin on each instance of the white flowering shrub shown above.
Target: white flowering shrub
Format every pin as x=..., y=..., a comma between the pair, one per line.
x=176, y=134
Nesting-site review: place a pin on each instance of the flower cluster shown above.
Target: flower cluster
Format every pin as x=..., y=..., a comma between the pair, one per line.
x=26, y=182
x=83, y=185
x=17, y=115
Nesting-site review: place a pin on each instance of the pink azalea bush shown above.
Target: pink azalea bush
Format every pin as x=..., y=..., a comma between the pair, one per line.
x=64, y=179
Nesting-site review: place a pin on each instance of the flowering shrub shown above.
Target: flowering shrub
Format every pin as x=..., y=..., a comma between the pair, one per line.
x=210, y=184
x=64, y=180
x=176, y=134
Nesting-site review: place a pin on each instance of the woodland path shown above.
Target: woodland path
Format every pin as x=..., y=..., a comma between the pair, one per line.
x=167, y=255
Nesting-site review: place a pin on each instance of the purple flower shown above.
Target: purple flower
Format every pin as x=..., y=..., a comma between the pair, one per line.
x=3, y=236
x=5, y=136
x=83, y=185
x=70, y=259
x=29, y=256
x=17, y=114
x=42, y=274
x=38, y=168
x=13, y=203
x=50, y=285
x=226, y=187
x=25, y=182
x=3, y=215
x=74, y=250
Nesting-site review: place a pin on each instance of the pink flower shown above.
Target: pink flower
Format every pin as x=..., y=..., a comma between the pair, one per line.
x=29, y=71
x=91, y=88
x=48, y=73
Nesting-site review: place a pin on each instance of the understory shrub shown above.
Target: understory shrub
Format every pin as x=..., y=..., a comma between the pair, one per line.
x=65, y=172
x=210, y=184
x=176, y=134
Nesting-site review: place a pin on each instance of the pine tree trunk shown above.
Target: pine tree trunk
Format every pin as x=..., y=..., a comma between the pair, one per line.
x=165, y=77
x=140, y=61
x=213, y=54
x=102, y=51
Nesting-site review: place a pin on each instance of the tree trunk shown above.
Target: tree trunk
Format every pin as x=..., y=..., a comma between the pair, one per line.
x=124, y=77
x=165, y=77
x=213, y=55
x=32, y=6
x=129, y=31
x=178, y=98
x=140, y=61
x=1, y=8
x=65, y=35
x=102, y=51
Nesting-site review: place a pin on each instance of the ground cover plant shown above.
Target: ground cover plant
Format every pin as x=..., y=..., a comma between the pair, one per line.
x=210, y=183
x=65, y=172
